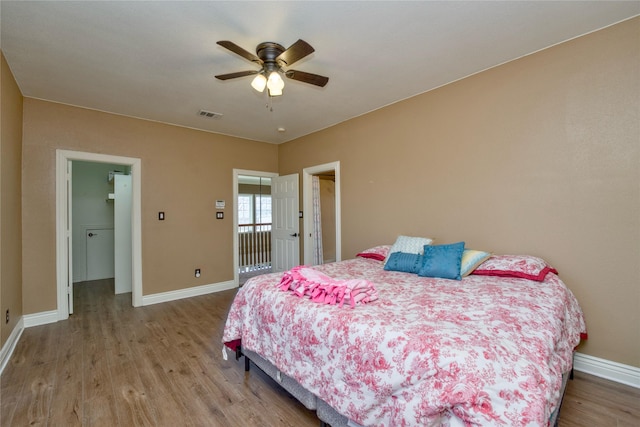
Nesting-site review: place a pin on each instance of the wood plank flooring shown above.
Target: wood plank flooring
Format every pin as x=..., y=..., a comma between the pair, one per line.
x=161, y=365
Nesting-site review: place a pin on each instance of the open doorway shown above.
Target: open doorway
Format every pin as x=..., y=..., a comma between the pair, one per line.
x=101, y=223
x=322, y=225
x=252, y=224
x=64, y=224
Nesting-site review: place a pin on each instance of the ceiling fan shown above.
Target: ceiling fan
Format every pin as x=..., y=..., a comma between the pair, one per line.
x=272, y=58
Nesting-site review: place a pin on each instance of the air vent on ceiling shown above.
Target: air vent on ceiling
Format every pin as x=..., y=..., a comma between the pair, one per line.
x=209, y=114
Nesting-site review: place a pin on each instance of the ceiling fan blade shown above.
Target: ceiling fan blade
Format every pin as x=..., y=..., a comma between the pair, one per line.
x=295, y=52
x=239, y=51
x=313, y=79
x=236, y=75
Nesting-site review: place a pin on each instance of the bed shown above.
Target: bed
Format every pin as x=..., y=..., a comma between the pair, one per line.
x=493, y=348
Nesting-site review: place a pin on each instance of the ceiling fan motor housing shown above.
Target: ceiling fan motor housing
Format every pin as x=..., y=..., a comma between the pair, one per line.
x=268, y=52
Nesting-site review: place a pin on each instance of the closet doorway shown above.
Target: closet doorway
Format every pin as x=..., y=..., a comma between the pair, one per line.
x=321, y=204
x=64, y=223
x=101, y=223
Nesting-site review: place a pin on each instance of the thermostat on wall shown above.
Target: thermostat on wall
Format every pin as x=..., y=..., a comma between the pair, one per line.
x=220, y=204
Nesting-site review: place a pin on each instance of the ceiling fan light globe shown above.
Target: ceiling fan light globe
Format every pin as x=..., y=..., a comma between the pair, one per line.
x=259, y=83
x=275, y=82
x=275, y=92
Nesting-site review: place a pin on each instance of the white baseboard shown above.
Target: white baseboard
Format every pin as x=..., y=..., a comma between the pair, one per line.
x=614, y=371
x=7, y=349
x=41, y=318
x=187, y=293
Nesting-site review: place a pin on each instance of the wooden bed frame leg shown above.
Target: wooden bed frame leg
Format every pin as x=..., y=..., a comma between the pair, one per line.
x=323, y=424
x=247, y=364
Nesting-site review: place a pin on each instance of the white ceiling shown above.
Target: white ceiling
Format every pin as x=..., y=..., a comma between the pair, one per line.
x=157, y=60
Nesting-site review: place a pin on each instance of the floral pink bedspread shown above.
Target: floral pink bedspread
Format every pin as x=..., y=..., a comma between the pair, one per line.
x=482, y=351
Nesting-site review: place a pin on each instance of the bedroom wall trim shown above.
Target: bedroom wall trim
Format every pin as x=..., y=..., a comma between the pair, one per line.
x=188, y=293
x=10, y=345
x=42, y=318
x=614, y=371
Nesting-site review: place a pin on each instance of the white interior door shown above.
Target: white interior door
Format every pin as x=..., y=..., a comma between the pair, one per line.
x=100, y=253
x=69, y=238
x=285, y=229
x=122, y=233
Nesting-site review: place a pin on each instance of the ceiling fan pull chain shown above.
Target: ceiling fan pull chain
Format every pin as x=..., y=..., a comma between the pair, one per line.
x=269, y=105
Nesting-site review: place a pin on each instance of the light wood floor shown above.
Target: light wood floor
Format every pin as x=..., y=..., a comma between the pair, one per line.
x=161, y=365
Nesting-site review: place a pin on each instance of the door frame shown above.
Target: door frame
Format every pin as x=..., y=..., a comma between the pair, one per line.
x=236, y=247
x=307, y=200
x=63, y=157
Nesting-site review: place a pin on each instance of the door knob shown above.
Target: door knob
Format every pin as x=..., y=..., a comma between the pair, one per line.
x=92, y=234
x=294, y=235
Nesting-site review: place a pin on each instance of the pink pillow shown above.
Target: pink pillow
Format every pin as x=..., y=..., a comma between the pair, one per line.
x=378, y=253
x=523, y=266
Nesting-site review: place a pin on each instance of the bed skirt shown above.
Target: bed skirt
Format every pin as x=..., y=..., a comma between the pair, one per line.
x=294, y=388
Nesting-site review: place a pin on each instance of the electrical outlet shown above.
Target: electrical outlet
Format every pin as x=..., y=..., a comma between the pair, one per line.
x=7, y=317
x=197, y=272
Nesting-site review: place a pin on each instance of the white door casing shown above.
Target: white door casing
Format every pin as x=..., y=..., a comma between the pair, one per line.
x=307, y=196
x=285, y=229
x=63, y=157
x=68, y=238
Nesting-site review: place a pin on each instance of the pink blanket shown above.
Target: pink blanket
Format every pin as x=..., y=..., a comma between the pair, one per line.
x=303, y=280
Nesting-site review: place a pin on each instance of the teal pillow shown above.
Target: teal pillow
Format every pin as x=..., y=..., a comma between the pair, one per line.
x=442, y=261
x=405, y=262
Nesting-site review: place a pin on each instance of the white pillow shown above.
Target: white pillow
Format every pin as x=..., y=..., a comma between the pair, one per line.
x=411, y=245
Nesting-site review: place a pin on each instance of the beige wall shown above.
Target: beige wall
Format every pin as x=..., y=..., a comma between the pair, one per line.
x=10, y=203
x=538, y=156
x=183, y=173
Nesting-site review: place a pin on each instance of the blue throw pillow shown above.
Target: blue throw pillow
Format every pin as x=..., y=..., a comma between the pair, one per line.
x=405, y=262
x=442, y=261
